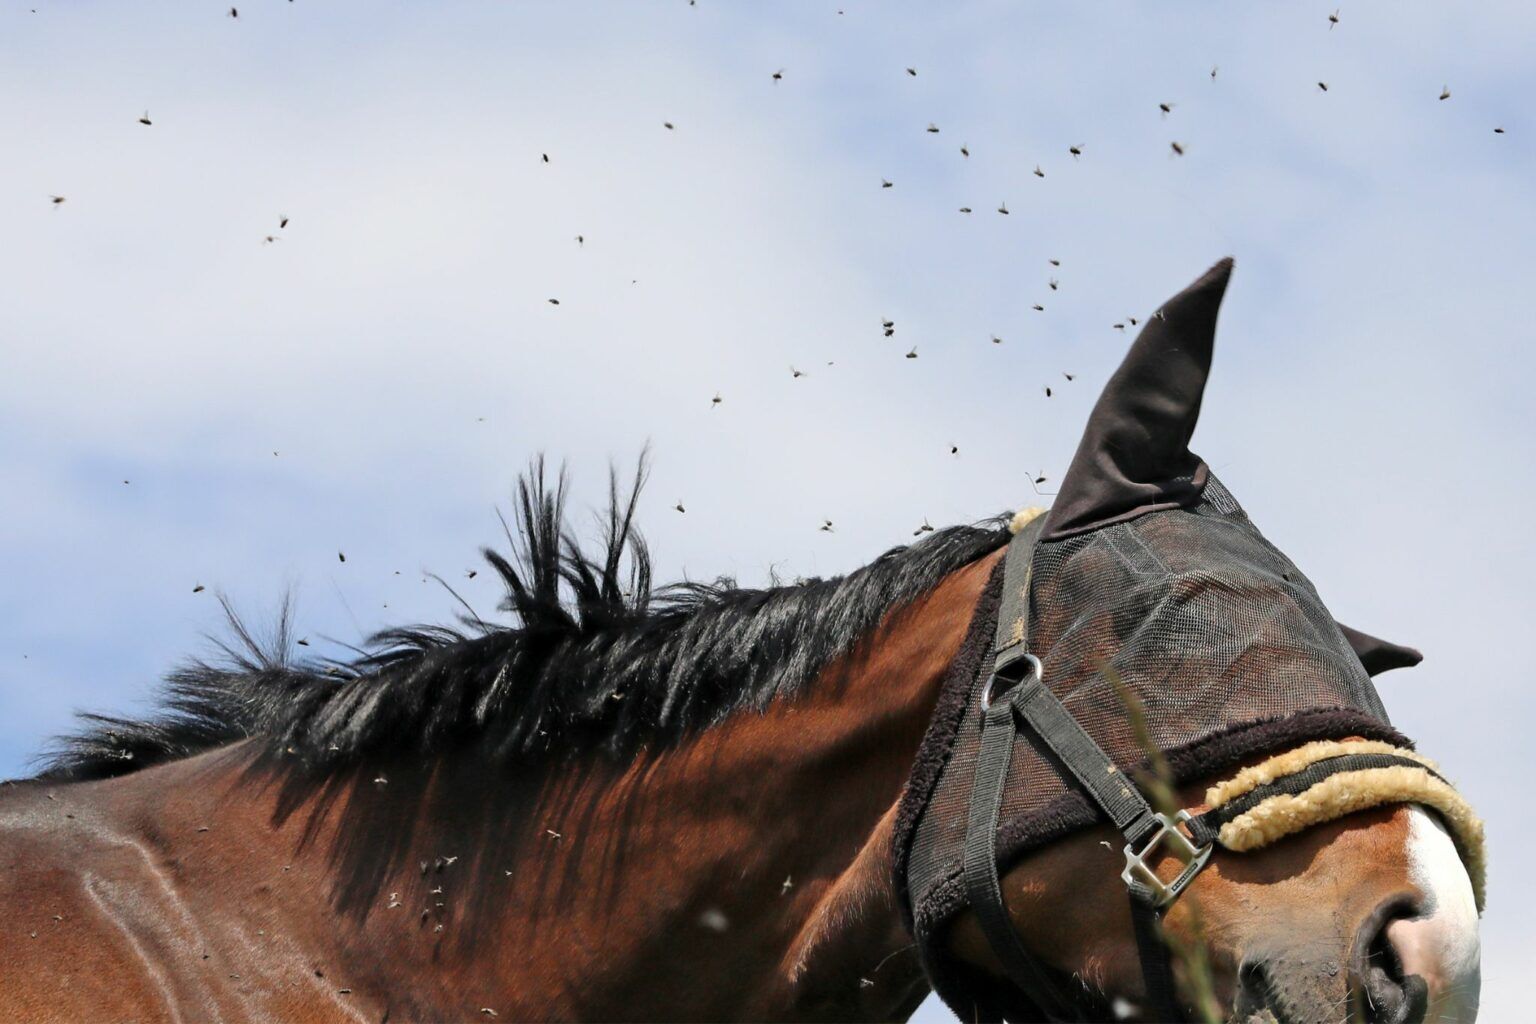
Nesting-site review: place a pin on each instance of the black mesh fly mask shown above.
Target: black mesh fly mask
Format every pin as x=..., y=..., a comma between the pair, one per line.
x=1145, y=589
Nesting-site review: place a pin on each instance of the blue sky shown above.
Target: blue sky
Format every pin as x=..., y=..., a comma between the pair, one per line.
x=396, y=350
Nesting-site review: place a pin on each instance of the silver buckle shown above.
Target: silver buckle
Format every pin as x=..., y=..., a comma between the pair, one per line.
x=1139, y=872
x=986, y=689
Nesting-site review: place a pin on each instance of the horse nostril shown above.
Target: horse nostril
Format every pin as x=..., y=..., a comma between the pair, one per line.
x=1382, y=992
x=1253, y=993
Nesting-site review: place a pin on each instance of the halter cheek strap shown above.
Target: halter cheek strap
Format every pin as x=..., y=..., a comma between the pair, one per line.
x=1014, y=697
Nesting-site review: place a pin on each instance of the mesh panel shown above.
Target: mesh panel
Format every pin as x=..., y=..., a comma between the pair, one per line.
x=1203, y=619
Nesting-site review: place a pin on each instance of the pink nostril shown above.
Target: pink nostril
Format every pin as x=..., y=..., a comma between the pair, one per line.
x=1412, y=944
x=1433, y=948
x=1386, y=992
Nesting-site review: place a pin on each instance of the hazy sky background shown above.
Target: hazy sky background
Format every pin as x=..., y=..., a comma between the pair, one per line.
x=372, y=381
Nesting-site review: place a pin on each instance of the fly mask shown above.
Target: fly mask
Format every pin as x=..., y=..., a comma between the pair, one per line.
x=1146, y=585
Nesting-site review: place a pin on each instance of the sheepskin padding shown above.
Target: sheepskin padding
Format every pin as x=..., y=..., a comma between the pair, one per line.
x=1293, y=761
x=1345, y=793
x=1023, y=517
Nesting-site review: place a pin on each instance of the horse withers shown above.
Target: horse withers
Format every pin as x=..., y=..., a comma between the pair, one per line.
x=707, y=802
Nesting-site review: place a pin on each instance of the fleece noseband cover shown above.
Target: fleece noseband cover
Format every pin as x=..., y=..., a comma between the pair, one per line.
x=1328, y=779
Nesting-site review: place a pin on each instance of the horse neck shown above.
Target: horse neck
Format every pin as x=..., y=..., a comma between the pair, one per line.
x=742, y=873
x=745, y=872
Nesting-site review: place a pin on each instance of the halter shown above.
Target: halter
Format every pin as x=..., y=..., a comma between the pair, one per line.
x=1312, y=783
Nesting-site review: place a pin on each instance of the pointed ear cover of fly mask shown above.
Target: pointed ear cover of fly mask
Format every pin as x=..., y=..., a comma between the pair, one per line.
x=1134, y=457
x=1378, y=655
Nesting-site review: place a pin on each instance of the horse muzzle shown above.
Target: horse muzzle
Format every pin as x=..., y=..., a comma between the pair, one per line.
x=1413, y=959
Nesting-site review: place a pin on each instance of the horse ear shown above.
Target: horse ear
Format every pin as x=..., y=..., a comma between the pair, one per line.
x=1379, y=655
x=1134, y=456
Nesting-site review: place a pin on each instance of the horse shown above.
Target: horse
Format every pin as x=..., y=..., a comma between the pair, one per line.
x=641, y=802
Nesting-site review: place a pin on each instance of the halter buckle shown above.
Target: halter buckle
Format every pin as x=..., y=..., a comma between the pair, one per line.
x=1139, y=873
x=990, y=690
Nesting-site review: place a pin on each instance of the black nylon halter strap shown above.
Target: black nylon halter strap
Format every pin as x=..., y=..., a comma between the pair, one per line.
x=1029, y=702
x=983, y=888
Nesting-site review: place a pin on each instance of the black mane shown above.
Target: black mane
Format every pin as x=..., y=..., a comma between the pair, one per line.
x=594, y=657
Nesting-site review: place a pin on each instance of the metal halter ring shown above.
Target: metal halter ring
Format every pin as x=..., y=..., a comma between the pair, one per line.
x=987, y=690
x=1139, y=873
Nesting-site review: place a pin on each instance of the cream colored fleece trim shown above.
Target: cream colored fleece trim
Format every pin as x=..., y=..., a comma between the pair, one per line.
x=1347, y=792
x=1293, y=761
x=1023, y=517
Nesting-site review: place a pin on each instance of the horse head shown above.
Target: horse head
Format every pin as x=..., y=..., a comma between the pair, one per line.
x=1289, y=856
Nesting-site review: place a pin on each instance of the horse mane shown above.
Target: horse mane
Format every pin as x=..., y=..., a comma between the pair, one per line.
x=594, y=657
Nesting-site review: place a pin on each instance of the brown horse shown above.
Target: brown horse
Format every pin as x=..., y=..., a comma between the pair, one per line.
x=631, y=805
